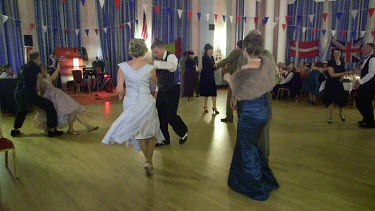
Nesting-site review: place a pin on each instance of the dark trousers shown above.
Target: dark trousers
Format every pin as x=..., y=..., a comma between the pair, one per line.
x=364, y=104
x=26, y=98
x=167, y=106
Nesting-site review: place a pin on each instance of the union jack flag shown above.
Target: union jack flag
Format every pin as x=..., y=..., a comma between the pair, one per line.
x=351, y=50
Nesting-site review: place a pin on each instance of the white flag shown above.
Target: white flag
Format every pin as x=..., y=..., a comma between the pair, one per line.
x=145, y=7
x=5, y=18
x=304, y=29
x=101, y=3
x=311, y=17
x=77, y=31
x=354, y=13
x=105, y=30
x=333, y=33
x=129, y=24
x=231, y=18
x=363, y=33
x=208, y=17
x=179, y=13
x=44, y=28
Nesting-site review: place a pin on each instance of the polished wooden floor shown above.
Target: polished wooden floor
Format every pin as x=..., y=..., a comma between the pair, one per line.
x=318, y=166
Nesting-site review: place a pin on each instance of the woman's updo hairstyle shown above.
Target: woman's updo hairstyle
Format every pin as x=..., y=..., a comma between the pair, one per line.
x=137, y=47
x=253, y=43
x=207, y=47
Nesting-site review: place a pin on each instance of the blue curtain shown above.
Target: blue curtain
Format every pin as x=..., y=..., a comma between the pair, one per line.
x=61, y=21
x=115, y=42
x=11, y=47
x=167, y=26
x=304, y=8
x=240, y=11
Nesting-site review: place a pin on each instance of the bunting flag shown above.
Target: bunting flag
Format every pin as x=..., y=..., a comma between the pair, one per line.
x=117, y=4
x=105, y=30
x=179, y=13
x=372, y=33
x=215, y=16
x=256, y=20
x=314, y=31
x=284, y=26
x=208, y=17
x=122, y=26
x=238, y=19
x=311, y=17
x=190, y=14
x=63, y=1
x=265, y=20
x=325, y=15
x=5, y=18
x=299, y=19
x=101, y=3
x=354, y=13
x=231, y=18
x=144, y=33
x=333, y=33
x=199, y=15
x=169, y=11
x=304, y=29
x=67, y=31
x=363, y=33
x=224, y=18
x=129, y=24
x=96, y=31
x=87, y=32
x=77, y=31
x=371, y=11
x=136, y=21
x=287, y=19
x=31, y=25
x=324, y=31
x=157, y=9
x=145, y=7
x=338, y=15
x=354, y=33
x=304, y=49
x=44, y=29
x=343, y=32
x=18, y=22
x=351, y=50
x=83, y=2
x=245, y=20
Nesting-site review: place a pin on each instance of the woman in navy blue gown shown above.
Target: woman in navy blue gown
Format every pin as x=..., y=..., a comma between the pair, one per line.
x=249, y=173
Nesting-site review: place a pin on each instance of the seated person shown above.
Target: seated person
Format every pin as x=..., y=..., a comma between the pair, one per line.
x=285, y=82
x=6, y=72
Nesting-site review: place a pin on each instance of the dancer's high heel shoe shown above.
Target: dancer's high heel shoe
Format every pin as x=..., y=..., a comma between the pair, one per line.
x=205, y=109
x=214, y=110
x=148, y=168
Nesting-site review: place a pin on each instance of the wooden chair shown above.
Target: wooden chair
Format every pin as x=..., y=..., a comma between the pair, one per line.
x=78, y=81
x=5, y=146
x=281, y=91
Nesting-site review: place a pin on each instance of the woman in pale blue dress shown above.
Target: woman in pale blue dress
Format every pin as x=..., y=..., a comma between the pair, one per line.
x=138, y=125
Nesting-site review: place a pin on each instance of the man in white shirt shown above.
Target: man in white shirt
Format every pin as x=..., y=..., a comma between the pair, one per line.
x=168, y=92
x=366, y=87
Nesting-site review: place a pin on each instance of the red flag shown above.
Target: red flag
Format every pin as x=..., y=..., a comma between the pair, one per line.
x=117, y=3
x=287, y=19
x=157, y=9
x=144, y=33
x=314, y=31
x=371, y=11
x=63, y=1
x=238, y=19
x=215, y=17
x=31, y=26
x=373, y=33
x=66, y=31
x=325, y=15
x=256, y=19
x=284, y=26
x=96, y=31
x=343, y=32
x=190, y=14
x=122, y=26
x=304, y=49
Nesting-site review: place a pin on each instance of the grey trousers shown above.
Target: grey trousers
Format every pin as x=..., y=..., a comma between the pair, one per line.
x=264, y=139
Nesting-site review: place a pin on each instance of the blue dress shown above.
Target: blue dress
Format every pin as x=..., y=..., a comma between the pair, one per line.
x=249, y=173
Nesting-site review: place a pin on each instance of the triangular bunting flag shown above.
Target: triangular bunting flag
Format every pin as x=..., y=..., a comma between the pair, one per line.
x=304, y=29
x=224, y=18
x=238, y=19
x=122, y=26
x=373, y=33
x=314, y=31
x=44, y=28
x=31, y=26
x=245, y=19
x=18, y=22
x=83, y=2
x=354, y=13
x=63, y=1
x=256, y=20
x=136, y=21
x=333, y=33
x=105, y=30
x=325, y=15
x=343, y=32
x=96, y=31
x=215, y=15
x=101, y=3
x=87, y=32
x=67, y=31
x=199, y=15
x=299, y=18
x=231, y=18
x=284, y=26
x=265, y=20
x=145, y=6
x=190, y=14
x=354, y=33
x=117, y=4
x=208, y=17
x=5, y=18
x=371, y=11
x=287, y=19
x=129, y=24
x=179, y=13
x=169, y=11
x=77, y=32
x=157, y=9
x=324, y=32
x=311, y=18
x=363, y=33
x=338, y=15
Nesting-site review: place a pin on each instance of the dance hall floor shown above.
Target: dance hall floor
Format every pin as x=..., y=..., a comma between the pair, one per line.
x=318, y=166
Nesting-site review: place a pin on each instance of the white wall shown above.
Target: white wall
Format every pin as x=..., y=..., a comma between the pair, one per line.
x=26, y=15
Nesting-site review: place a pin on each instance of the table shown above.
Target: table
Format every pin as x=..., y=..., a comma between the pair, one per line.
x=7, y=102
